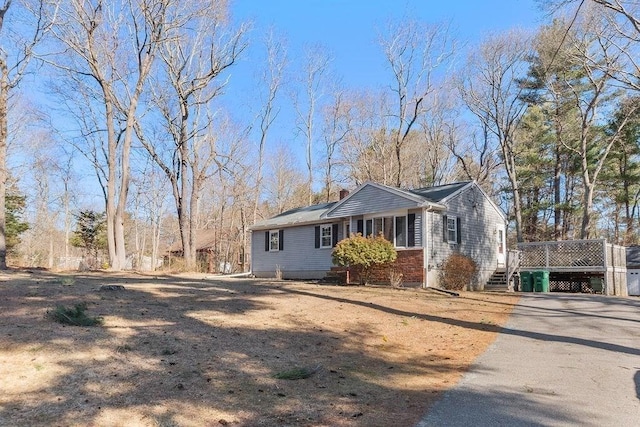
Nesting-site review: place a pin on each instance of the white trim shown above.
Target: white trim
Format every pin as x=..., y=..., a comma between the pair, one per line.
x=323, y=227
x=455, y=230
x=457, y=192
x=484, y=194
x=426, y=226
x=347, y=226
x=406, y=231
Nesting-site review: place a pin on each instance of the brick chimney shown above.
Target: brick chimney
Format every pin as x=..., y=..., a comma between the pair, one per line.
x=343, y=193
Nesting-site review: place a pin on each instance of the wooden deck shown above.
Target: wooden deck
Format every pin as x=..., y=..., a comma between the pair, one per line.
x=577, y=261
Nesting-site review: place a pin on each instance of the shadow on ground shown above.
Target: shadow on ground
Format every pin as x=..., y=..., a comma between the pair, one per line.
x=186, y=348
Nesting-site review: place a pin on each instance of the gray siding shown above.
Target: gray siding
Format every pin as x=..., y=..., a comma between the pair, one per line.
x=371, y=200
x=479, y=239
x=298, y=260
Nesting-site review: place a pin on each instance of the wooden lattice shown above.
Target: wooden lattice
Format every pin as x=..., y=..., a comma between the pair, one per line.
x=577, y=286
x=573, y=253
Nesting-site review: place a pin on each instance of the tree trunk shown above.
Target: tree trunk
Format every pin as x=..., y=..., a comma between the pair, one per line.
x=4, y=87
x=586, y=231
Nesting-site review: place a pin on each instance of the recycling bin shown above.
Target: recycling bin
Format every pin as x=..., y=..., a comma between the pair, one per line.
x=541, y=281
x=526, y=283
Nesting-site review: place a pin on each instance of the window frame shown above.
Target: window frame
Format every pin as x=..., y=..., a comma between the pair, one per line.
x=324, y=227
x=382, y=219
x=452, y=220
x=275, y=233
x=405, y=231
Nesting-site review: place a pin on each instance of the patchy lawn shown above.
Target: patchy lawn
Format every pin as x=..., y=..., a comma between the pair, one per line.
x=194, y=351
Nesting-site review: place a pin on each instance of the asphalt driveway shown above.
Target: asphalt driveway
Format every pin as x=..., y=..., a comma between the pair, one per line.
x=562, y=359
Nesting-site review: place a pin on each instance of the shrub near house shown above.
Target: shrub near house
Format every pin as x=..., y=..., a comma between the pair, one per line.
x=362, y=253
x=458, y=272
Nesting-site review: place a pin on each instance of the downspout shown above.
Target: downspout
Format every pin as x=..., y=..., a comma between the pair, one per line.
x=251, y=253
x=425, y=244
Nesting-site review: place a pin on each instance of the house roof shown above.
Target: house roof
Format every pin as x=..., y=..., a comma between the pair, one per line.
x=633, y=255
x=427, y=196
x=205, y=238
x=440, y=192
x=303, y=215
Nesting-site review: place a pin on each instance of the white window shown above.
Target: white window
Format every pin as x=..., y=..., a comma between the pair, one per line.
x=325, y=236
x=274, y=241
x=452, y=234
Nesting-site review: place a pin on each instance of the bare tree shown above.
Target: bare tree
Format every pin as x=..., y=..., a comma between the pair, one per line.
x=414, y=52
x=272, y=79
x=476, y=156
x=367, y=152
x=335, y=129
x=439, y=131
x=284, y=182
x=306, y=103
x=17, y=41
x=110, y=48
x=149, y=206
x=193, y=59
x=491, y=91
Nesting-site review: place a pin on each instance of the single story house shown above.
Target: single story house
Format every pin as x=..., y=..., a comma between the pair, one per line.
x=426, y=225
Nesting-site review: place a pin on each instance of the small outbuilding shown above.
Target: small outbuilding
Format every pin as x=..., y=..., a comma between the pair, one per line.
x=633, y=270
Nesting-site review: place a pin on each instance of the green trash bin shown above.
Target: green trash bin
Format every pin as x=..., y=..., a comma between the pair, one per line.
x=526, y=282
x=596, y=284
x=541, y=281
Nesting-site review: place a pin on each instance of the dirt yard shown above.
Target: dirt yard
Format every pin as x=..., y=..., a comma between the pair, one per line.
x=198, y=351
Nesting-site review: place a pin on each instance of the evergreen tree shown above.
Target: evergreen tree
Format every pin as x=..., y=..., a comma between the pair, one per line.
x=14, y=225
x=90, y=234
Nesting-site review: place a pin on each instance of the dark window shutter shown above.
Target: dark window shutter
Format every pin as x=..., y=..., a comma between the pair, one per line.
x=411, y=230
x=281, y=240
x=317, y=237
x=266, y=241
x=445, y=231
x=458, y=230
x=360, y=228
x=334, y=234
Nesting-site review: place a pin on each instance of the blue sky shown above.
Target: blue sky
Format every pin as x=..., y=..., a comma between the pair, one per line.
x=348, y=28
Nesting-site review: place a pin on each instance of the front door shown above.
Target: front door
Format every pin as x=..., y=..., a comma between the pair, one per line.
x=501, y=244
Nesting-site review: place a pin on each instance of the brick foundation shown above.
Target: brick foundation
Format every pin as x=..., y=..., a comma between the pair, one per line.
x=409, y=263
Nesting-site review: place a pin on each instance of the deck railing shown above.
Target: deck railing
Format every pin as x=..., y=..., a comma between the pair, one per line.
x=513, y=265
x=570, y=255
x=579, y=257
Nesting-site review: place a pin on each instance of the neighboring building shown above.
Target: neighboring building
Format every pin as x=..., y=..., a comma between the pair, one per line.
x=211, y=255
x=633, y=270
x=426, y=225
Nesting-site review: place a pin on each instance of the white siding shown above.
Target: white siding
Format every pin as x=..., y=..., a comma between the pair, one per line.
x=372, y=200
x=478, y=234
x=299, y=258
